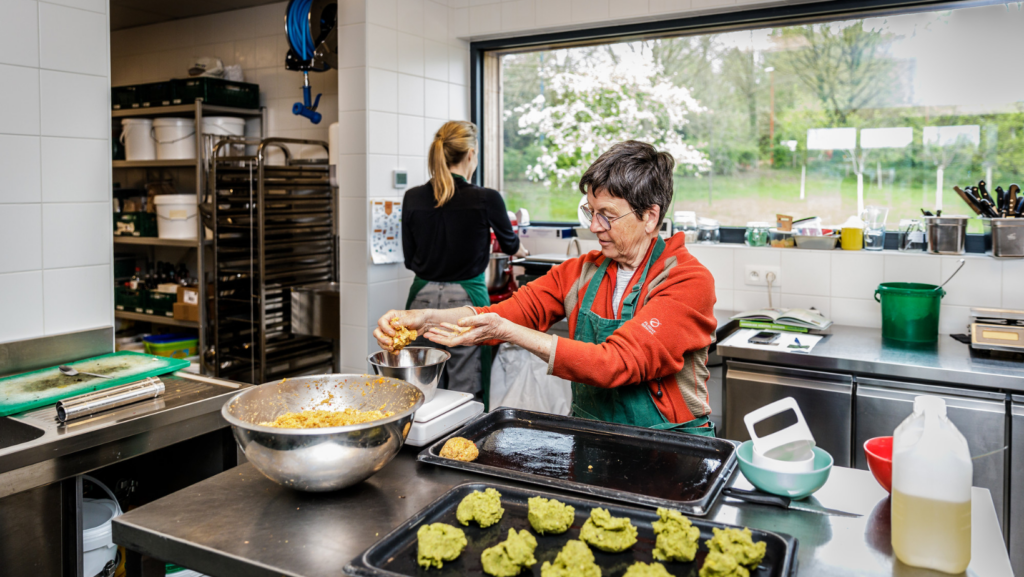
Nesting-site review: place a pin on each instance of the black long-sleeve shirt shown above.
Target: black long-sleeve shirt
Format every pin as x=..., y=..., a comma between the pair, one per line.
x=452, y=243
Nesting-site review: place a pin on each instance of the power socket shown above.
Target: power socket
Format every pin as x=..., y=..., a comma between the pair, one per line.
x=757, y=275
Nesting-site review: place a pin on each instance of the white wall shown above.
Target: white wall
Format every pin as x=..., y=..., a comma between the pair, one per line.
x=55, y=211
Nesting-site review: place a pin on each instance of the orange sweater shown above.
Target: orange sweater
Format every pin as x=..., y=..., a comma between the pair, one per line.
x=665, y=343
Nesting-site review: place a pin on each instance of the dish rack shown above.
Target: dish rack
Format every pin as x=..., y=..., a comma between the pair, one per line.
x=273, y=229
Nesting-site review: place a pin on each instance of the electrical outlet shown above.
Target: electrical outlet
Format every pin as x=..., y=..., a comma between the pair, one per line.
x=757, y=275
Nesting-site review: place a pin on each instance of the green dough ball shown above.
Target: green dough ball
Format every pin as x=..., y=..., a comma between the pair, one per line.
x=718, y=564
x=574, y=560
x=484, y=508
x=677, y=537
x=550, y=516
x=641, y=569
x=439, y=542
x=738, y=544
x=511, y=556
x=607, y=533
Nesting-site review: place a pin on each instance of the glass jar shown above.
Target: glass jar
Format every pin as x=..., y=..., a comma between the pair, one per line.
x=757, y=234
x=708, y=231
x=686, y=221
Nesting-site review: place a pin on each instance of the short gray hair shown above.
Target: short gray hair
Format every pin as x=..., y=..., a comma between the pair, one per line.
x=636, y=172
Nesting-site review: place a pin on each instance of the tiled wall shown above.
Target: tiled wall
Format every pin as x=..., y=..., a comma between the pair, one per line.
x=55, y=217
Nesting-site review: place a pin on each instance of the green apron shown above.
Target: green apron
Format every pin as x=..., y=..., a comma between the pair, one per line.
x=628, y=404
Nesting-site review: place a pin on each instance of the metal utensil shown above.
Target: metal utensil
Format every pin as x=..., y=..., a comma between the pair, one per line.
x=72, y=372
x=968, y=199
x=962, y=261
x=498, y=273
x=421, y=366
x=759, y=498
x=112, y=398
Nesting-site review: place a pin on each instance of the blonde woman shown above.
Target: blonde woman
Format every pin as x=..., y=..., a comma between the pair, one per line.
x=446, y=236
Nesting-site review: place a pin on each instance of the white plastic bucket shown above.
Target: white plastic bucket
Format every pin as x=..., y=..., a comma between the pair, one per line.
x=176, y=216
x=175, y=138
x=98, y=548
x=137, y=137
x=224, y=126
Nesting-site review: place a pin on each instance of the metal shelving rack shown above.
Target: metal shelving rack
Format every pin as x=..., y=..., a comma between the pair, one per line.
x=201, y=164
x=273, y=229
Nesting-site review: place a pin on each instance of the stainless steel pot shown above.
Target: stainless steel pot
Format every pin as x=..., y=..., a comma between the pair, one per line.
x=946, y=234
x=1004, y=237
x=419, y=366
x=498, y=271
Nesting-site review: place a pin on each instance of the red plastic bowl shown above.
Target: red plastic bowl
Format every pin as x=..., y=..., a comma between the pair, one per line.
x=879, y=454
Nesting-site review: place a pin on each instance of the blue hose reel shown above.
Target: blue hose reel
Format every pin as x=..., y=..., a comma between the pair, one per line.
x=311, y=29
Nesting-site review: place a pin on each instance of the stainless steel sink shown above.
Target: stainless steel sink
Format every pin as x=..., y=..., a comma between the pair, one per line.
x=14, y=432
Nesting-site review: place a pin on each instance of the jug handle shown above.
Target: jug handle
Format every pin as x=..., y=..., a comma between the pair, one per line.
x=878, y=300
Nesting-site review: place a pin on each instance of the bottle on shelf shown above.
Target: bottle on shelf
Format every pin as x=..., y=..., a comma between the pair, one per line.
x=133, y=283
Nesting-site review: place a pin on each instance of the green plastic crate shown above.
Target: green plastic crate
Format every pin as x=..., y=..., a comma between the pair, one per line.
x=216, y=92
x=127, y=299
x=135, y=224
x=124, y=97
x=156, y=94
x=124, y=267
x=160, y=304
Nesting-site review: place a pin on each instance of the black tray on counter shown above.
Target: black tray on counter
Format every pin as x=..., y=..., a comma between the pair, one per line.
x=395, y=554
x=631, y=464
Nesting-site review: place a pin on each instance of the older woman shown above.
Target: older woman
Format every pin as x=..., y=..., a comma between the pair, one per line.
x=639, y=310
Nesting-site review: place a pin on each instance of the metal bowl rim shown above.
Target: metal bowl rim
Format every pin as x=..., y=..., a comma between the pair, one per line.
x=236, y=422
x=369, y=359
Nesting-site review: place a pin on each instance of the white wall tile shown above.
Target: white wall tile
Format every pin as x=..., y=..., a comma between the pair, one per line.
x=19, y=169
x=381, y=12
x=458, y=105
x=410, y=17
x=856, y=312
x=354, y=347
x=73, y=40
x=381, y=297
x=19, y=32
x=430, y=128
x=555, y=13
x=414, y=166
x=379, y=273
x=267, y=52
x=967, y=288
x=21, y=231
x=352, y=175
x=92, y=5
x=351, y=12
x=410, y=95
x=410, y=54
x=352, y=89
x=907, y=268
x=724, y=299
x=953, y=320
x=435, y=55
x=75, y=170
x=383, y=93
x=21, y=306
x=76, y=234
x=354, y=260
x=718, y=261
x=484, y=19
x=742, y=258
x=74, y=105
x=435, y=21
x=855, y=274
x=806, y=272
x=436, y=100
x=383, y=133
x=76, y=299
x=1013, y=284
x=410, y=135
x=458, y=65
x=820, y=303
x=352, y=221
x=19, y=99
x=352, y=132
x=458, y=22
x=517, y=15
x=589, y=10
x=353, y=303
x=704, y=4
x=379, y=168
x=382, y=48
x=352, y=46
x=627, y=8
x=747, y=300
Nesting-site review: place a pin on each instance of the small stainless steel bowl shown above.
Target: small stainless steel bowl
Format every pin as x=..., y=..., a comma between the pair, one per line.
x=421, y=366
x=329, y=458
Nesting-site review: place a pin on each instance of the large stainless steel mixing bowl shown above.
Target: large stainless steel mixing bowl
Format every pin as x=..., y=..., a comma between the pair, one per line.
x=329, y=458
x=421, y=366
x=497, y=271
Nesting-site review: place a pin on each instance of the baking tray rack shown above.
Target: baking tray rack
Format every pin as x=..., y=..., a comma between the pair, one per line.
x=621, y=462
x=395, y=553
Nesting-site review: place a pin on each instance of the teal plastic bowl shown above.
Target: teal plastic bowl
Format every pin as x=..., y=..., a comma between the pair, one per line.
x=792, y=485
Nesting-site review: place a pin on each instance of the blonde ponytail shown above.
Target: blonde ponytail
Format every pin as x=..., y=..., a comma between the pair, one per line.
x=451, y=144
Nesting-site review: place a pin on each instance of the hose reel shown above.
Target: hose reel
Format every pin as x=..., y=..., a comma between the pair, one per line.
x=311, y=27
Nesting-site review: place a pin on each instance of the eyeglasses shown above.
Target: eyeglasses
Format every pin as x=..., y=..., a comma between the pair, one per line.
x=603, y=221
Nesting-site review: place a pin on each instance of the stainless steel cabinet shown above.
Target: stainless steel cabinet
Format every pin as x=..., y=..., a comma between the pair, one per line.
x=1016, y=492
x=981, y=416
x=826, y=400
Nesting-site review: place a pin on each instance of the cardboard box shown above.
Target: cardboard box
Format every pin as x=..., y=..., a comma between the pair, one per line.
x=186, y=312
x=188, y=295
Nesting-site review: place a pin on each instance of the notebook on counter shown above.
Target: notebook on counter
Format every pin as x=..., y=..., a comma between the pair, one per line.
x=793, y=320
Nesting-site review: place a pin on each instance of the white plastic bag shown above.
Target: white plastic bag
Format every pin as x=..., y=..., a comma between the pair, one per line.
x=519, y=380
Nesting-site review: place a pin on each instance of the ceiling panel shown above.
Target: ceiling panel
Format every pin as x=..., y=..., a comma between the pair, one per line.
x=132, y=13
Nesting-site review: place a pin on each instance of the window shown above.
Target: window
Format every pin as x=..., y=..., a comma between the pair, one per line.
x=816, y=119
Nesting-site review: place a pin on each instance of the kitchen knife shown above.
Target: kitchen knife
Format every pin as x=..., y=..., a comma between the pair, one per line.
x=983, y=191
x=968, y=199
x=1013, y=191
x=1018, y=210
x=1001, y=198
x=760, y=498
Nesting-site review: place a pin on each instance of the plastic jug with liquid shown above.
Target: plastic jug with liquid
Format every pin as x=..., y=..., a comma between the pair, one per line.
x=931, y=490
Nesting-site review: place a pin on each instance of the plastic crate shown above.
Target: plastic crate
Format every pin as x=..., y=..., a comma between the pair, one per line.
x=156, y=94
x=216, y=92
x=135, y=224
x=160, y=304
x=178, y=346
x=131, y=300
x=124, y=266
x=124, y=97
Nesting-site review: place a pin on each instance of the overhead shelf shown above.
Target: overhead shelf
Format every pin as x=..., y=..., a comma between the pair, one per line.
x=186, y=162
x=180, y=109
x=154, y=319
x=153, y=241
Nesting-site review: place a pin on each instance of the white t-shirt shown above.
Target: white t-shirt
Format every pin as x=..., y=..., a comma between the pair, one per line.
x=621, y=282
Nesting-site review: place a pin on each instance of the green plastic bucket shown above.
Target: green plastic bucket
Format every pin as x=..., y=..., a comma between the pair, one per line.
x=910, y=311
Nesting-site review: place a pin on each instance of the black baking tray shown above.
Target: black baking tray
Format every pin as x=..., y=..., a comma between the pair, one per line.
x=621, y=462
x=395, y=553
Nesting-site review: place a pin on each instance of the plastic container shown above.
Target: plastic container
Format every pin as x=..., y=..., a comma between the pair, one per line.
x=176, y=216
x=160, y=303
x=792, y=485
x=137, y=136
x=931, y=490
x=910, y=311
x=135, y=224
x=781, y=238
x=175, y=138
x=216, y=92
x=176, y=346
x=224, y=126
x=810, y=226
x=98, y=548
x=879, y=456
x=757, y=234
x=708, y=231
x=827, y=242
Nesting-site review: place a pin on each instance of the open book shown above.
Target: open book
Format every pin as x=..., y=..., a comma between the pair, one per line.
x=802, y=318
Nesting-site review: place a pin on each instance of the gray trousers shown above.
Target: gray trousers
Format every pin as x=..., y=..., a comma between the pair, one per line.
x=462, y=372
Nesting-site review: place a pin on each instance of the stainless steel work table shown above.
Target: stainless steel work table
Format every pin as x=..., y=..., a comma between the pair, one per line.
x=239, y=523
x=862, y=351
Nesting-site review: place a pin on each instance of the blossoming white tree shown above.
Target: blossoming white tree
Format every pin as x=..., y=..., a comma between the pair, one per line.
x=616, y=94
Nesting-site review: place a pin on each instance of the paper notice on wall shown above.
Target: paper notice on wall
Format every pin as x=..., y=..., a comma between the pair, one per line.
x=386, y=231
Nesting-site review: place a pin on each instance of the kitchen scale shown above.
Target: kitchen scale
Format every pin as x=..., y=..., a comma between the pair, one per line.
x=447, y=411
x=997, y=330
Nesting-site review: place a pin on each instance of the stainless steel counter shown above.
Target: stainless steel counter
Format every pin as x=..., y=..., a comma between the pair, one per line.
x=241, y=524
x=861, y=351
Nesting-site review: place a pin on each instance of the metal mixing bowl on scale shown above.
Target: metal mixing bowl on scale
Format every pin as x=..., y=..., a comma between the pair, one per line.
x=420, y=366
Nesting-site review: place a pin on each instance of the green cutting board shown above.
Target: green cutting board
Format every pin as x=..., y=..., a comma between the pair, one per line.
x=29, y=391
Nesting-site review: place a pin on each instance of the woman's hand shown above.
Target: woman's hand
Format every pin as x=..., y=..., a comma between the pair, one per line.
x=415, y=320
x=522, y=252
x=471, y=330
